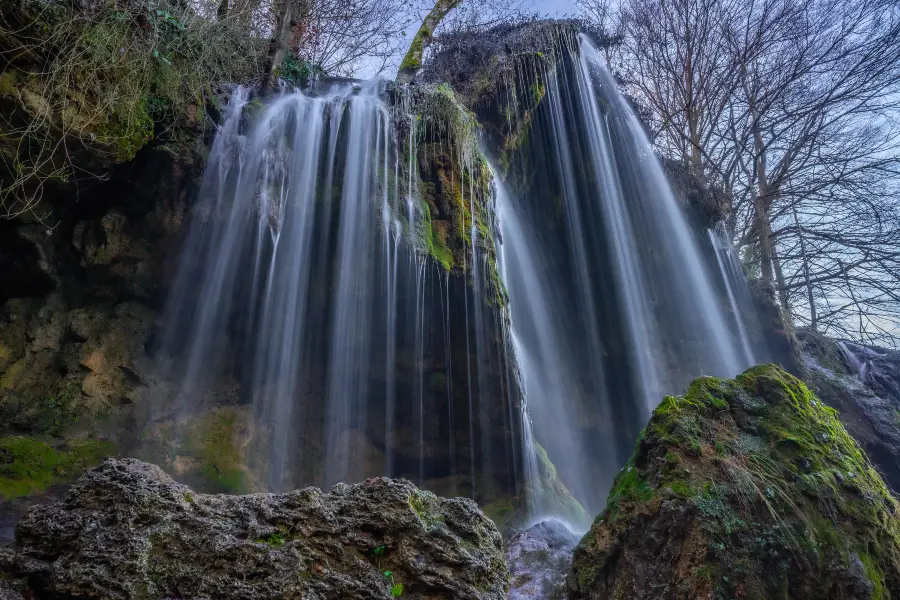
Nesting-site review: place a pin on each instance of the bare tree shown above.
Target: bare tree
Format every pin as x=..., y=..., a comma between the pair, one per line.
x=674, y=62
x=791, y=106
x=412, y=62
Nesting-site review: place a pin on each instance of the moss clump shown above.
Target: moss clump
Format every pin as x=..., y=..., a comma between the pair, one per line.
x=273, y=539
x=216, y=441
x=629, y=487
x=761, y=493
x=59, y=410
x=427, y=507
x=210, y=451
x=413, y=58
x=125, y=134
x=29, y=465
x=103, y=79
x=436, y=240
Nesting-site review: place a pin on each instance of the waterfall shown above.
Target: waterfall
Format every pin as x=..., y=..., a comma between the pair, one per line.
x=345, y=281
x=611, y=303
x=739, y=300
x=306, y=294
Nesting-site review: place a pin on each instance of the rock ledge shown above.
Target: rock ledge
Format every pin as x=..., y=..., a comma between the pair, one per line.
x=126, y=530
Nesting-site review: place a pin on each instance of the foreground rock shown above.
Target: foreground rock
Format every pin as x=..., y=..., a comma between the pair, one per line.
x=538, y=560
x=748, y=488
x=127, y=531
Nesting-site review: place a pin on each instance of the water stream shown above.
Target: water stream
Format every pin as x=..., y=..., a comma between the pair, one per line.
x=305, y=295
x=302, y=283
x=611, y=302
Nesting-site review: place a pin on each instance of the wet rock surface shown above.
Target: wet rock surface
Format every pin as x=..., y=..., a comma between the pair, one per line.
x=127, y=530
x=863, y=384
x=744, y=488
x=539, y=559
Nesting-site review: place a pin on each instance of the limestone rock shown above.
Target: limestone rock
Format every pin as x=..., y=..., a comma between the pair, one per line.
x=126, y=530
x=749, y=488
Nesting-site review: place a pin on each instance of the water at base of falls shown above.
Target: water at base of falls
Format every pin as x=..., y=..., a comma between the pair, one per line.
x=300, y=296
x=612, y=302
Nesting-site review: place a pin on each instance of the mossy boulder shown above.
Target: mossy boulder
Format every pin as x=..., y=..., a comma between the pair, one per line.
x=745, y=488
x=127, y=530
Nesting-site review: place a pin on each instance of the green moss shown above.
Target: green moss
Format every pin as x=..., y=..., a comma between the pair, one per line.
x=629, y=487
x=275, y=539
x=427, y=507
x=772, y=487
x=215, y=440
x=673, y=458
x=435, y=244
x=682, y=489
x=59, y=410
x=875, y=576
x=127, y=131
x=413, y=58
x=29, y=465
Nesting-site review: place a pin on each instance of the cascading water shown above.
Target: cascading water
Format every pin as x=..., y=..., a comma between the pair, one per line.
x=736, y=289
x=610, y=301
x=304, y=287
x=305, y=293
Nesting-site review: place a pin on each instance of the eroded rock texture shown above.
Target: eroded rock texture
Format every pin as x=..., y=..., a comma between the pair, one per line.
x=126, y=530
x=748, y=488
x=863, y=384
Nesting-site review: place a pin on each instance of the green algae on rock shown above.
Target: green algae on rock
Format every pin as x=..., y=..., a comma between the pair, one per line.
x=211, y=450
x=744, y=488
x=29, y=465
x=446, y=174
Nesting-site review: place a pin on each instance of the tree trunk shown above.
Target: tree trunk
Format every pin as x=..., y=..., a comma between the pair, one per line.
x=779, y=278
x=279, y=45
x=412, y=62
x=762, y=204
x=809, y=291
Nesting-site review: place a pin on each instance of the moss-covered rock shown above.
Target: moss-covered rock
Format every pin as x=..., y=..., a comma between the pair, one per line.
x=447, y=176
x=744, y=488
x=106, y=79
x=863, y=384
x=29, y=465
x=212, y=450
